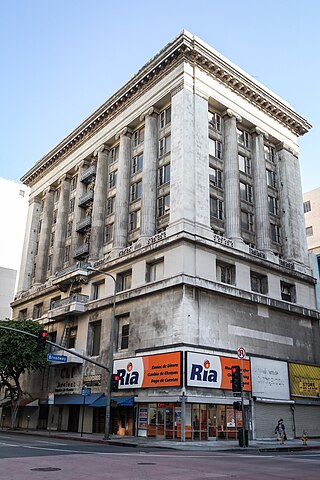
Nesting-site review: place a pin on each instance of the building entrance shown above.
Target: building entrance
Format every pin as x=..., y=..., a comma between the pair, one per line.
x=161, y=421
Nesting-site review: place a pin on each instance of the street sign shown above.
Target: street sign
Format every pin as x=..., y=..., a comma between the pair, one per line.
x=241, y=351
x=56, y=358
x=86, y=391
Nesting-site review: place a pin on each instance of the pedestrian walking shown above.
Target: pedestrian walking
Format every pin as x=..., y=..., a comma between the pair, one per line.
x=280, y=430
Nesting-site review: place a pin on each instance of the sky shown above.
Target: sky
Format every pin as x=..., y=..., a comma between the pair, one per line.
x=61, y=59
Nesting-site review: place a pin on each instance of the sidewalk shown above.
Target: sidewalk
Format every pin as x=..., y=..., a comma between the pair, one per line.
x=203, y=446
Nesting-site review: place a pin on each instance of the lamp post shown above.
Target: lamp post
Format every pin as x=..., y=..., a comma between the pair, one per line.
x=110, y=359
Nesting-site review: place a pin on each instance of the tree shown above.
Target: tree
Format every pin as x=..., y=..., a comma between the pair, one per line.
x=19, y=354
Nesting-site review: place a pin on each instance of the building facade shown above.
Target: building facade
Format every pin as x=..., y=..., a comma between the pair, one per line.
x=311, y=207
x=185, y=187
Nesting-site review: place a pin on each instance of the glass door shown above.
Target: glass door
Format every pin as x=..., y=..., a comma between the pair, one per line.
x=169, y=425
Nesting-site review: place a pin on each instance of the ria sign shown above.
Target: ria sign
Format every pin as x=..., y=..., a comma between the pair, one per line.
x=213, y=371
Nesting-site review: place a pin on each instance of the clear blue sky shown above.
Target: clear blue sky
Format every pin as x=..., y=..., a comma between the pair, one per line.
x=62, y=58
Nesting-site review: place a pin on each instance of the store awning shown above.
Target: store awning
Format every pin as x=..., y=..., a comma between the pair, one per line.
x=76, y=399
x=115, y=402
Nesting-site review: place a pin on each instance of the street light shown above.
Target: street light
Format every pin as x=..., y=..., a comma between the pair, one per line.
x=110, y=359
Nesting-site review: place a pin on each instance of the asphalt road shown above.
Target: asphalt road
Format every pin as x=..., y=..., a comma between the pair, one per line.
x=26, y=457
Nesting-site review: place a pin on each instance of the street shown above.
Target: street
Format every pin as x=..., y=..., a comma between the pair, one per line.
x=24, y=457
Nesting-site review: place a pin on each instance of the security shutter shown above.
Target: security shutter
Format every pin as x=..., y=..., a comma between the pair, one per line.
x=267, y=416
x=307, y=418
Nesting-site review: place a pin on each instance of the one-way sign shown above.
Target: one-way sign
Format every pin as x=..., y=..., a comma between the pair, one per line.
x=56, y=358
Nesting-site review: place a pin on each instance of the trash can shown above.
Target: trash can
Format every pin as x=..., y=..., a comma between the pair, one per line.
x=240, y=436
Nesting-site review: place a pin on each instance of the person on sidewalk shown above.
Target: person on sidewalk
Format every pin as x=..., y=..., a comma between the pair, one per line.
x=280, y=430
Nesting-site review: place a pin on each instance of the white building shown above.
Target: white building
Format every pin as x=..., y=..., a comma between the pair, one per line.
x=14, y=201
x=185, y=187
x=311, y=206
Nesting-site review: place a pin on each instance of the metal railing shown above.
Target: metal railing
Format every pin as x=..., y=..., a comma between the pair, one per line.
x=75, y=298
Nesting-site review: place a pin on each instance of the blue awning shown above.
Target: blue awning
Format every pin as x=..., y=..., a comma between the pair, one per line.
x=76, y=399
x=119, y=401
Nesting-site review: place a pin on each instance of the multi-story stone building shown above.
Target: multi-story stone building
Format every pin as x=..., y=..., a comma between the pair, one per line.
x=185, y=187
x=311, y=207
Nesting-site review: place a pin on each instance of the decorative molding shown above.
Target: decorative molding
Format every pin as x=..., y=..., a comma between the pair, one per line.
x=124, y=131
x=230, y=113
x=258, y=131
x=102, y=148
x=184, y=48
x=151, y=111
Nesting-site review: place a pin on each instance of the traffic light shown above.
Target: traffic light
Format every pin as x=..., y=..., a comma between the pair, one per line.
x=236, y=379
x=237, y=406
x=42, y=339
x=115, y=382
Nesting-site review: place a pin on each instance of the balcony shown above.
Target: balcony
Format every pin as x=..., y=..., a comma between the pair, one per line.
x=73, y=305
x=84, y=224
x=86, y=199
x=89, y=174
x=76, y=273
x=81, y=252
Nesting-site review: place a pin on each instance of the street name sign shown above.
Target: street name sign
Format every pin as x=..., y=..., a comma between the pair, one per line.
x=56, y=358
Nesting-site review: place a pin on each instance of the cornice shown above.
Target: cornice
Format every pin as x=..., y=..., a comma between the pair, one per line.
x=184, y=48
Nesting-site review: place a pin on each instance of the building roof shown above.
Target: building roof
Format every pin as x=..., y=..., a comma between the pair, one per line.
x=184, y=48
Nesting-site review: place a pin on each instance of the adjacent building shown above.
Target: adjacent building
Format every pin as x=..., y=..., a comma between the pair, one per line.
x=183, y=192
x=311, y=207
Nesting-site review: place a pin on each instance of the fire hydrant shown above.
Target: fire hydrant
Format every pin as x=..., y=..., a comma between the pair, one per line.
x=304, y=438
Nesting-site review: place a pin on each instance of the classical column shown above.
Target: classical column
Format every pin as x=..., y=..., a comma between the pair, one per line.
x=122, y=195
x=293, y=233
x=149, y=178
x=232, y=206
x=260, y=188
x=189, y=183
x=77, y=215
x=99, y=204
x=60, y=233
x=45, y=232
x=29, y=245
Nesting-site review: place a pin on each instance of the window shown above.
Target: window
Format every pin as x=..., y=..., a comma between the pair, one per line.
x=154, y=271
x=49, y=263
x=164, y=174
x=96, y=290
x=114, y=154
x=108, y=233
x=307, y=206
x=67, y=253
x=53, y=300
x=73, y=184
x=123, y=333
x=271, y=178
x=138, y=137
x=71, y=205
x=273, y=205
x=215, y=148
x=23, y=314
x=94, y=338
x=215, y=177
x=39, y=227
x=216, y=208
x=136, y=164
x=309, y=231
x=165, y=117
x=37, y=310
x=112, y=179
x=269, y=153
x=110, y=205
x=134, y=220
x=244, y=164
x=246, y=192
x=226, y=273
x=57, y=195
x=54, y=218
x=275, y=232
x=52, y=239
x=69, y=229
x=243, y=138
x=135, y=191
x=52, y=338
x=259, y=283
x=288, y=292
x=214, y=121
x=123, y=281
x=247, y=221
x=163, y=205
x=164, y=145
x=71, y=336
